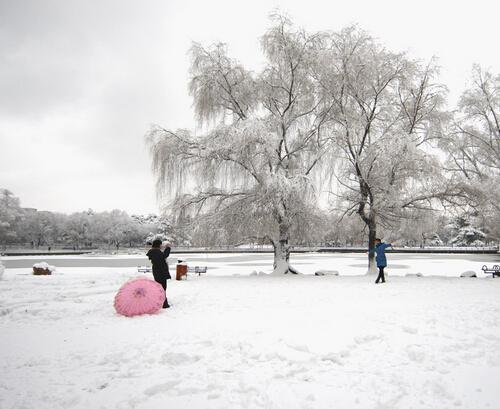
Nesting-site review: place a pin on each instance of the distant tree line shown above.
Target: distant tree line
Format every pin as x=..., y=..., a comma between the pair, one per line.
x=29, y=228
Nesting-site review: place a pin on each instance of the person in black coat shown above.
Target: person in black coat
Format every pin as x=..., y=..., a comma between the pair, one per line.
x=160, y=267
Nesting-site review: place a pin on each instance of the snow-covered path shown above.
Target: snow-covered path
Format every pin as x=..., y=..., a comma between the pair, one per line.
x=251, y=342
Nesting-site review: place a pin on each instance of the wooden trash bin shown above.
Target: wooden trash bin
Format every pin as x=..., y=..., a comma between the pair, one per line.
x=181, y=270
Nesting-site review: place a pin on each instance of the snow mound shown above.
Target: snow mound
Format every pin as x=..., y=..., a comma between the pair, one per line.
x=414, y=275
x=45, y=266
x=326, y=273
x=468, y=273
x=258, y=273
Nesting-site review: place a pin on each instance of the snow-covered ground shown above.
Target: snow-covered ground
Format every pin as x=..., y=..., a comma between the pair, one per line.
x=254, y=341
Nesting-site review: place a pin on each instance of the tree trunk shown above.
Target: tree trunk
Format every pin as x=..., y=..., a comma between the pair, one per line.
x=282, y=253
x=372, y=235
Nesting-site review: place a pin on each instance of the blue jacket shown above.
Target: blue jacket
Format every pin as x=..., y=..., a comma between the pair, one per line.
x=380, y=251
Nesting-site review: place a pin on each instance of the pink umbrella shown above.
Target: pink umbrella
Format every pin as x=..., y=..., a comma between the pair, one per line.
x=139, y=296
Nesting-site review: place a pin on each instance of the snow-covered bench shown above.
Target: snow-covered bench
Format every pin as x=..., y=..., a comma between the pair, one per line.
x=494, y=271
x=144, y=269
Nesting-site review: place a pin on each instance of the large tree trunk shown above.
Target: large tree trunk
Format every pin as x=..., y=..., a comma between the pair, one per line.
x=369, y=218
x=282, y=253
x=372, y=235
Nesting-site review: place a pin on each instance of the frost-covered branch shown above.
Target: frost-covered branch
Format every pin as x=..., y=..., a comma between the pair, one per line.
x=265, y=141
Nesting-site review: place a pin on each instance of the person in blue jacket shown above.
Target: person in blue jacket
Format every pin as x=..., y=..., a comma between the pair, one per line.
x=380, y=257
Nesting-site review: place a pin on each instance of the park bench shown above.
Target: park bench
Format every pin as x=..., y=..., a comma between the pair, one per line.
x=494, y=271
x=144, y=269
x=197, y=270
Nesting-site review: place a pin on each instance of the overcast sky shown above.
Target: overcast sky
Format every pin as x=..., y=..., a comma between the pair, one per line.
x=81, y=81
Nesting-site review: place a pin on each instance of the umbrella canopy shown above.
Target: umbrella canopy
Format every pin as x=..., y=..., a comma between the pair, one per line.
x=139, y=296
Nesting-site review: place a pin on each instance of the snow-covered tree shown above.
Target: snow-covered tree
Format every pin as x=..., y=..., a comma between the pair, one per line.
x=176, y=232
x=40, y=227
x=342, y=229
x=464, y=233
x=263, y=146
x=77, y=229
x=111, y=227
x=153, y=227
x=473, y=143
x=120, y=227
x=421, y=228
x=386, y=109
x=10, y=214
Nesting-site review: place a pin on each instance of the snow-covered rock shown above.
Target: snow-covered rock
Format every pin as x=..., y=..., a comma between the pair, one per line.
x=414, y=275
x=468, y=273
x=45, y=265
x=43, y=268
x=326, y=273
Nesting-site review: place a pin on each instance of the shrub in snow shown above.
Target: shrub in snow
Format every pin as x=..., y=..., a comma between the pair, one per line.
x=43, y=268
x=468, y=236
x=435, y=240
x=465, y=234
x=468, y=273
x=165, y=230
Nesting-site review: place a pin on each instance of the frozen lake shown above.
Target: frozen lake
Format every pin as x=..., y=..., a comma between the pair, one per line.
x=244, y=263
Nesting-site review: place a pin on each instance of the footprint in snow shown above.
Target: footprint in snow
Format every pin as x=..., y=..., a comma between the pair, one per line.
x=363, y=339
x=175, y=358
x=161, y=388
x=410, y=330
x=300, y=348
x=333, y=357
x=416, y=353
x=190, y=391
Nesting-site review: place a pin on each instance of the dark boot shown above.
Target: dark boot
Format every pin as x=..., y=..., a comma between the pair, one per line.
x=165, y=304
x=380, y=275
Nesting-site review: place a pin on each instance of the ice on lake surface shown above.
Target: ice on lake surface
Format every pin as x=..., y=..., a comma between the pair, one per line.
x=307, y=263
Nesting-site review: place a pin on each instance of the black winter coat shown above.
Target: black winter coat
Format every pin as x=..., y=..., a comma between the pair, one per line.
x=159, y=261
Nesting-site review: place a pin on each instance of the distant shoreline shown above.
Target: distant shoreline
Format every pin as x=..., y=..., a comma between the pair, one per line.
x=202, y=250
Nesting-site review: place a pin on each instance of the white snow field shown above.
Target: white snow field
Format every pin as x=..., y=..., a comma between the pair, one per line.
x=253, y=341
